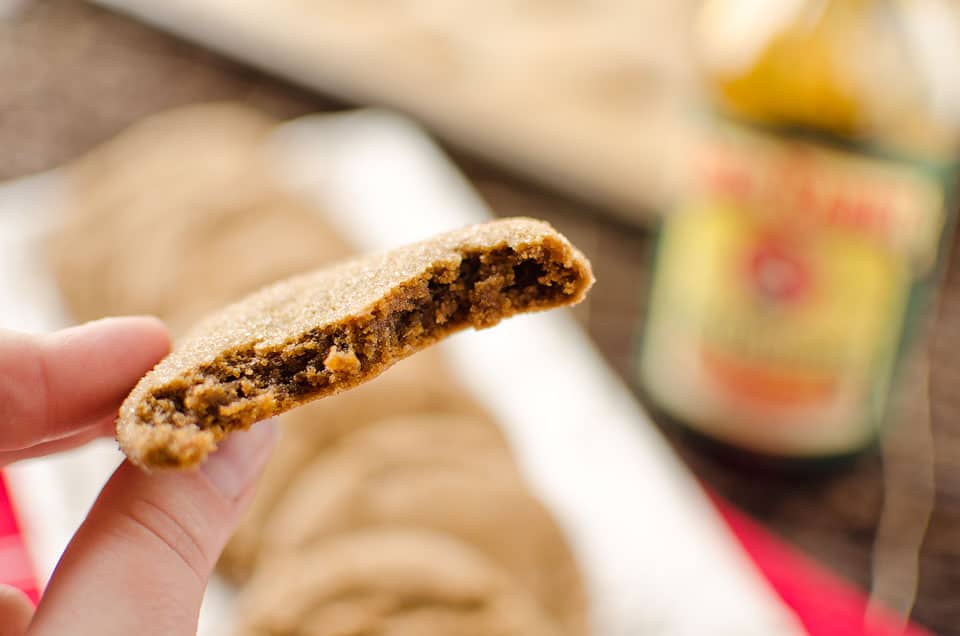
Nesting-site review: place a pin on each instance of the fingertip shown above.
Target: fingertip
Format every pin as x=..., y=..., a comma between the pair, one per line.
x=144, y=336
x=146, y=323
x=148, y=333
x=107, y=428
x=87, y=370
x=234, y=467
x=16, y=610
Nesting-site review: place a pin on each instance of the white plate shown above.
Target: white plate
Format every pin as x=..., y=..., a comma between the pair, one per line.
x=656, y=557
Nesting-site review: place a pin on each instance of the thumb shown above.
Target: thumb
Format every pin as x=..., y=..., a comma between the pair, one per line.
x=140, y=561
x=15, y=610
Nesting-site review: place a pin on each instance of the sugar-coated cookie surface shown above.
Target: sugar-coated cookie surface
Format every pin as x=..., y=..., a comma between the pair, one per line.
x=323, y=332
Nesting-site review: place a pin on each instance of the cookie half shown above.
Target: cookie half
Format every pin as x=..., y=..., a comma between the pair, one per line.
x=323, y=332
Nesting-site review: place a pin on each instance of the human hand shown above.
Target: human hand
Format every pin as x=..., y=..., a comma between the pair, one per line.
x=140, y=561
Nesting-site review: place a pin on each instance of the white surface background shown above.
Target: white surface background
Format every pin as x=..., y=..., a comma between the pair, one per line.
x=656, y=557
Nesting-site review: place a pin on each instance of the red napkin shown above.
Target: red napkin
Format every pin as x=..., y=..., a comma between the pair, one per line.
x=15, y=566
x=825, y=604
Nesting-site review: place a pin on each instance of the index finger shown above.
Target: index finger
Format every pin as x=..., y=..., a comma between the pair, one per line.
x=56, y=384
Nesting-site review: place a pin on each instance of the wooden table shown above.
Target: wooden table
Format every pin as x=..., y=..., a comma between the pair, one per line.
x=72, y=76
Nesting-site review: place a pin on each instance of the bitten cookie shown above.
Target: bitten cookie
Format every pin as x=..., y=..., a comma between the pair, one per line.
x=440, y=474
x=389, y=583
x=320, y=333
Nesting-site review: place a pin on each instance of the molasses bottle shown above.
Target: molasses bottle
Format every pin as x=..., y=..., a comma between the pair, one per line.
x=800, y=255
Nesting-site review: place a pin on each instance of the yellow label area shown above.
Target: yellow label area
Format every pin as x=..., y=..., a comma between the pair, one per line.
x=810, y=187
x=778, y=317
x=781, y=289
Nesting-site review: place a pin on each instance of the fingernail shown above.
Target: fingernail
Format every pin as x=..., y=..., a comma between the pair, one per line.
x=238, y=460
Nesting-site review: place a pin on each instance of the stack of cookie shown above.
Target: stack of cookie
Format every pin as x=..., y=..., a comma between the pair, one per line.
x=394, y=508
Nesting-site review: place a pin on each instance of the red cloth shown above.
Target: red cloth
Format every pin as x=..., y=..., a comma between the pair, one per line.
x=825, y=604
x=15, y=566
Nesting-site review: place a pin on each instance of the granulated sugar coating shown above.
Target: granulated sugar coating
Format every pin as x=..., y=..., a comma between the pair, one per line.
x=326, y=331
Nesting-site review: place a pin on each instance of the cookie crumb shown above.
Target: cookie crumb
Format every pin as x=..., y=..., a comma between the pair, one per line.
x=342, y=361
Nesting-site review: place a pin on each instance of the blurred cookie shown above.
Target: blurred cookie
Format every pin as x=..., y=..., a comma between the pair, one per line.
x=216, y=136
x=272, y=236
x=467, y=442
x=178, y=215
x=140, y=187
x=420, y=384
x=324, y=332
x=441, y=474
x=389, y=583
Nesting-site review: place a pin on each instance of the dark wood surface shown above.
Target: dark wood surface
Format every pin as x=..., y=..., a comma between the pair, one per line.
x=72, y=76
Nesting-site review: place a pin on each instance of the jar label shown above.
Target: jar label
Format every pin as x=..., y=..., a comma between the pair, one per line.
x=781, y=289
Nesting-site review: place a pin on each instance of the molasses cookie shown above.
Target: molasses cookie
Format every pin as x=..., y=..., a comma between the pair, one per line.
x=389, y=477
x=323, y=332
x=389, y=583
